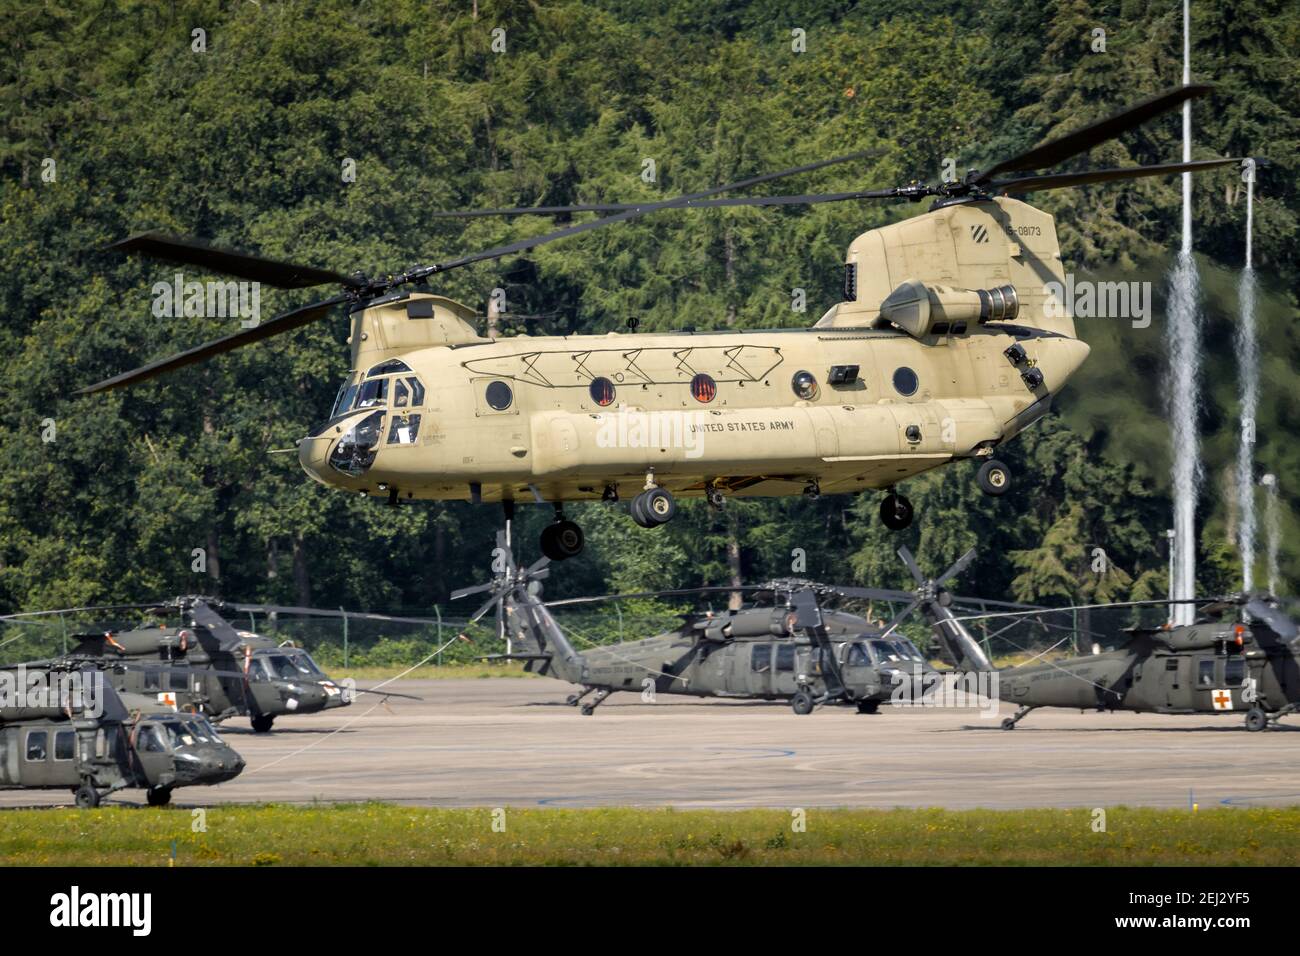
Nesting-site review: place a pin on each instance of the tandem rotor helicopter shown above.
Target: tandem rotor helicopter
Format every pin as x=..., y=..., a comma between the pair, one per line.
x=943, y=347
x=207, y=666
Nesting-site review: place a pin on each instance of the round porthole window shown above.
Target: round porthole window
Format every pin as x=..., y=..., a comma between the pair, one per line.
x=602, y=391
x=499, y=396
x=704, y=388
x=804, y=385
x=905, y=381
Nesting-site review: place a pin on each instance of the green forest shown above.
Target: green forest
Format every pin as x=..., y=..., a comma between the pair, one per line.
x=233, y=121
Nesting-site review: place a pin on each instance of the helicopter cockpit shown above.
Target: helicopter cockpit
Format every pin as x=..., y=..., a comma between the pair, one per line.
x=390, y=384
x=284, y=663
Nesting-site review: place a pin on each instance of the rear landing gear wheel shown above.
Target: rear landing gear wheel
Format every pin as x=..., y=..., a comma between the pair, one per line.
x=562, y=540
x=87, y=797
x=994, y=478
x=896, y=512
x=261, y=723
x=588, y=710
x=1256, y=720
x=802, y=703
x=158, y=796
x=1008, y=724
x=654, y=507
x=868, y=706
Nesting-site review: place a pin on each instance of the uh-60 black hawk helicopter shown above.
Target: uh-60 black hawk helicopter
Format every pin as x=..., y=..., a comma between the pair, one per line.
x=1241, y=656
x=784, y=646
x=206, y=665
x=949, y=341
x=88, y=738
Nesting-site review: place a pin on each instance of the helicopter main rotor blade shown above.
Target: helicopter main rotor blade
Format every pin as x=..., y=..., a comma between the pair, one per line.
x=285, y=322
x=912, y=566
x=1097, y=607
x=1026, y=184
x=75, y=610
x=793, y=200
x=958, y=566
x=900, y=617
x=227, y=637
x=325, y=612
x=283, y=275
x=1083, y=139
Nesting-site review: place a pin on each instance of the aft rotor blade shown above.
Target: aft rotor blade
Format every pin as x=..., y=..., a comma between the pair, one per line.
x=1081, y=140
x=285, y=322
x=283, y=275
x=900, y=617
x=793, y=200
x=626, y=214
x=870, y=594
x=1028, y=184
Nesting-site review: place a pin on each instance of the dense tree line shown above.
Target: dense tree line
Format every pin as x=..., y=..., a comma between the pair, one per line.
x=243, y=142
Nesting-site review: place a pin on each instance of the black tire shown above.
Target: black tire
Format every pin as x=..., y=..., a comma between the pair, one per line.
x=567, y=540
x=572, y=700
x=1256, y=720
x=994, y=478
x=587, y=710
x=87, y=797
x=868, y=707
x=658, y=507
x=638, y=514
x=158, y=796
x=896, y=512
x=1008, y=724
x=261, y=723
x=802, y=703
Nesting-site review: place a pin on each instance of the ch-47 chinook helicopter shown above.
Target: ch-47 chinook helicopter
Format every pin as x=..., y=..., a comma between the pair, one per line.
x=1240, y=655
x=948, y=343
x=83, y=736
x=207, y=666
x=786, y=646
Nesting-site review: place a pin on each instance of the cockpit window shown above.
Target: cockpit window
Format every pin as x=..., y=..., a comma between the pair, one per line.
x=149, y=740
x=291, y=666
x=347, y=392
x=407, y=393
x=372, y=392
x=387, y=368
x=198, y=729
x=178, y=735
x=857, y=655
x=907, y=650
x=886, y=652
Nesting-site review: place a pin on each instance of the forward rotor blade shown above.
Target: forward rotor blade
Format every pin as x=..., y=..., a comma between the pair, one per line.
x=74, y=610
x=284, y=275
x=900, y=617
x=871, y=594
x=285, y=322
x=1026, y=184
x=1081, y=140
x=635, y=212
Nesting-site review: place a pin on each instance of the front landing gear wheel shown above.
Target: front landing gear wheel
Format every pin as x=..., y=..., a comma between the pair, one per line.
x=994, y=478
x=1008, y=724
x=896, y=512
x=158, y=796
x=868, y=707
x=1256, y=720
x=261, y=723
x=87, y=797
x=802, y=703
x=588, y=710
x=562, y=540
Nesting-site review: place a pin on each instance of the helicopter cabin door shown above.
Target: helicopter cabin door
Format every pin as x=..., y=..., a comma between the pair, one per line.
x=1175, y=686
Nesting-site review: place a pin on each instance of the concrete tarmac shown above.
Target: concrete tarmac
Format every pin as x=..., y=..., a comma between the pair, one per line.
x=514, y=743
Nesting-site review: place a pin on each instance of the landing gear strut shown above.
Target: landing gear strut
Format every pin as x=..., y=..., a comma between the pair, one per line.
x=562, y=540
x=896, y=511
x=588, y=709
x=1010, y=722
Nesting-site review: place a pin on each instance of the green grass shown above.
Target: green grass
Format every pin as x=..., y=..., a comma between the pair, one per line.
x=382, y=834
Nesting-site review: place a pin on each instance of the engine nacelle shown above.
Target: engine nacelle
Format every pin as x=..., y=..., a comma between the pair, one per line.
x=919, y=309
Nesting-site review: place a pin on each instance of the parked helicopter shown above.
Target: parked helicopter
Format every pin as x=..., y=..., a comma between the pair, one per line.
x=786, y=646
x=948, y=342
x=95, y=741
x=1240, y=655
x=208, y=666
